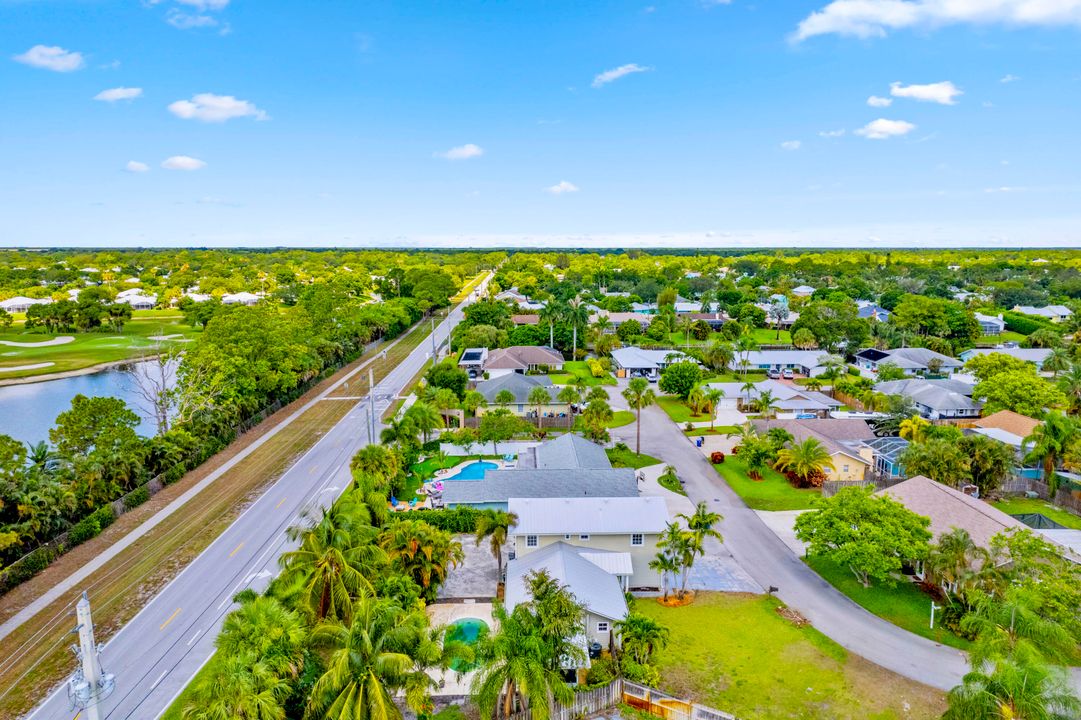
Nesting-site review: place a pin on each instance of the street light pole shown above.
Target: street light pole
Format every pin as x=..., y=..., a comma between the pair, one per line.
x=88, y=686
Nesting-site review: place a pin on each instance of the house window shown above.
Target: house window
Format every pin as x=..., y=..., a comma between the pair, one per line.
x=531, y=541
x=583, y=537
x=602, y=626
x=567, y=536
x=845, y=469
x=637, y=540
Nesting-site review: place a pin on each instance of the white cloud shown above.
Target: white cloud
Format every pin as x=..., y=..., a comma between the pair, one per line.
x=185, y=21
x=120, y=93
x=134, y=166
x=876, y=101
x=882, y=129
x=183, y=162
x=791, y=145
x=943, y=93
x=52, y=58
x=462, y=152
x=209, y=107
x=1008, y=78
x=832, y=133
x=202, y=5
x=1003, y=189
x=561, y=188
x=876, y=18
x=616, y=73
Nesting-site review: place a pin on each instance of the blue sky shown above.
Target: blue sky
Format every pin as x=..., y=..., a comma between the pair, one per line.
x=709, y=124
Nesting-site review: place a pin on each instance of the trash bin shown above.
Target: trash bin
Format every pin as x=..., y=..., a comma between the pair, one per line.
x=698, y=442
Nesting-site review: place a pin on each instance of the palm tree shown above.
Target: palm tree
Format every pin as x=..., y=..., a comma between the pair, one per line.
x=713, y=397
x=239, y=686
x=641, y=636
x=638, y=395
x=745, y=345
x=539, y=396
x=495, y=525
x=384, y=650
x=1047, y=444
x=275, y=634
x=421, y=552
x=577, y=314
x=401, y=431
x=914, y=428
x=696, y=398
x=377, y=461
x=1013, y=689
x=813, y=384
x=1070, y=383
x=952, y=561
x=804, y=460
x=1057, y=360
x=425, y=417
x=718, y=355
x=766, y=403
x=570, y=395
x=514, y=670
x=503, y=398
x=665, y=566
x=550, y=314
x=43, y=457
x=682, y=547
x=444, y=399
x=472, y=401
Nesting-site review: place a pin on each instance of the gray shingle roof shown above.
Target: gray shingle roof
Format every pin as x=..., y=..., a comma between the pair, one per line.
x=519, y=385
x=499, y=486
x=595, y=588
x=930, y=393
x=570, y=451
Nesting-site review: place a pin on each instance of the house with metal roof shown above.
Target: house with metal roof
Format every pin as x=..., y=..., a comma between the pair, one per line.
x=912, y=360
x=567, y=451
x=497, y=487
x=20, y=304
x=990, y=324
x=791, y=399
x=638, y=362
x=624, y=529
x=803, y=291
x=804, y=362
x=596, y=583
x=1054, y=313
x=1036, y=356
x=935, y=399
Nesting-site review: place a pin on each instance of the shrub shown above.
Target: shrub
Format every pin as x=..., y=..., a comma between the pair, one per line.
x=636, y=672
x=457, y=520
x=602, y=671
x=432, y=446
x=1024, y=324
x=716, y=457
x=596, y=369
x=136, y=498
x=173, y=474
x=104, y=516
x=84, y=530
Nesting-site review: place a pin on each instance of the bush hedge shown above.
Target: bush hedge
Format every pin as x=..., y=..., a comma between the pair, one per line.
x=136, y=498
x=458, y=520
x=1025, y=324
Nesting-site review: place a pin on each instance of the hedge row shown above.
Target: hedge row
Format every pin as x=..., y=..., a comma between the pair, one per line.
x=1025, y=324
x=457, y=520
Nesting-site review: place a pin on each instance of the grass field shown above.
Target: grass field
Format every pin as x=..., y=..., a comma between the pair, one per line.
x=678, y=410
x=628, y=458
x=735, y=653
x=88, y=349
x=769, y=336
x=904, y=604
x=579, y=369
x=1021, y=506
x=1007, y=336
x=772, y=492
x=736, y=377
x=717, y=430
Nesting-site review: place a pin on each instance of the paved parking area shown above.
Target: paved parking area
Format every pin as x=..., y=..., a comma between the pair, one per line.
x=476, y=577
x=721, y=573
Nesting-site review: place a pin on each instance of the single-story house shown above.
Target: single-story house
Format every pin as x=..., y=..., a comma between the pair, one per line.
x=520, y=386
x=625, y=528
x=637, y=362
x=804, y=362
x=240, y=298
x=714, y=319
x=567, y=451
x=139, y=302
x=948, y=509
x=20, y=304
x=935, y=399
x=1007, y=427
x=990, y=324
x=787, y=398
x=615, y=319
x=887, y=452
x=525, y=319
x=512, y=295
x=844, y=440
x=497, y=487
x=803, y=291
x=786, y=322
x=1054, y=313
x=522, y=359
x=871, y=311
x=912, y=360
x=472, y=360
x=596, y=581
x=1036, y=356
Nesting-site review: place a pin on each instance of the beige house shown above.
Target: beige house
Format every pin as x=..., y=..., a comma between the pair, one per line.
x=619, y=534
x=522, y=359
x=844, y=440
x=521, y=386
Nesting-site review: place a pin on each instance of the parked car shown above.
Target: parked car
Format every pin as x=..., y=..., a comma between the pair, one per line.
x=773, y=374
x=788, y=374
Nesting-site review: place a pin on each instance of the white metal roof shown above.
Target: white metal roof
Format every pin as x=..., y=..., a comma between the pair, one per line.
x=589, y=515
x=614, y=563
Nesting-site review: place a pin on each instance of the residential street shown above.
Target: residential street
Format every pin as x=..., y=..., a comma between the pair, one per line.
x=160, y=649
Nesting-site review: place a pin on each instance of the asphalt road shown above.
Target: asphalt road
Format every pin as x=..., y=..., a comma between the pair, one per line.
x=157, y=653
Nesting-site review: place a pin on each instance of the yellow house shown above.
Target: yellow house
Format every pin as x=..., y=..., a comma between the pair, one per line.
x=845, y=441
x=520, y=388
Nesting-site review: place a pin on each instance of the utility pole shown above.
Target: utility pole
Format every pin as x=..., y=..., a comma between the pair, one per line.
x=88, y=686
x=371, y=405
x=435, y=354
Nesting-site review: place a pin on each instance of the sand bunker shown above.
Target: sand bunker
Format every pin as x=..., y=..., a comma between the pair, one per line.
x=62, y=340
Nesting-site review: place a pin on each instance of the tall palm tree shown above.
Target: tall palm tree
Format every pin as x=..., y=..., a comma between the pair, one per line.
x=539, y=396
x=570, y=395
x=382, y=651
x=804, y=459
x=239, y=686
x=665, y=566
x=495, y=525
x=1048, y=443
x=745, y=345
x=1070, y=383
x=425, y=417
x=766, y=403
x=514, y=672
x=401, y=431
x=640, y=636
x=577, y=314
x=550, y=314
x=638, y=395
x=713, y=397
x=1057, y=360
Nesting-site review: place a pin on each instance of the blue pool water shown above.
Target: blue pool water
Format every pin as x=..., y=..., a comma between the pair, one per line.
x=473, y=471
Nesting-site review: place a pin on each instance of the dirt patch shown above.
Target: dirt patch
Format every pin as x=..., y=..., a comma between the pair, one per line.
x=793, y=617
x=674, y=601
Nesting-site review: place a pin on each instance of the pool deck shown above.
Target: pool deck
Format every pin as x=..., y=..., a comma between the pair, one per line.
x=453, y=683
x=452, y=471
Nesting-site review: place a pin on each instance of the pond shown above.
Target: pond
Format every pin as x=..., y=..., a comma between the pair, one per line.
x=27, y=412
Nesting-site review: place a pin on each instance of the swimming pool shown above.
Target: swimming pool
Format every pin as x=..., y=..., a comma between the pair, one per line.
x=473, y=471
x=466, y=630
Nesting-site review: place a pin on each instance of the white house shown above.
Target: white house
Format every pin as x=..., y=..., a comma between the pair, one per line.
x=1054, y=313
x=638, y=362
x=20, y=304
x=803, y=291
x=240, y=298
x=139, y=302
x=804, y=362
x=622, y=531
x=788, y=399
x=912, y=360
x=935, y=399
x=990, y=325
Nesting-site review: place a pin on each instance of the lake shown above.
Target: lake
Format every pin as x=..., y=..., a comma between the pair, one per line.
x=27, y=412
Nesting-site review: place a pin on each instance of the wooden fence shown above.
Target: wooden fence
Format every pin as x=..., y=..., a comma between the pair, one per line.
x=650, y=700
x=564, y=422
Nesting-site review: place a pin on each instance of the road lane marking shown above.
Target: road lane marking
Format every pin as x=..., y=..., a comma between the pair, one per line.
x=280, y=503
x=314, y=468
x=171, y=618
x=236, y=549
x=197, y=633
x=159, y=679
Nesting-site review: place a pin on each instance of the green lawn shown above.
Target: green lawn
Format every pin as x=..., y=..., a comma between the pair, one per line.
x=628, y=458
x=678, y=410
x=668, y=483
x=735, y=653
x=904, y=604
x=579, y=369
x=768, y=336
x=736, y=377
x=1007, y=336
x=87, y=349
x=419, y=472
x=717, y=430
x=772, y=492
x=1021, y=506
x=619, y=419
